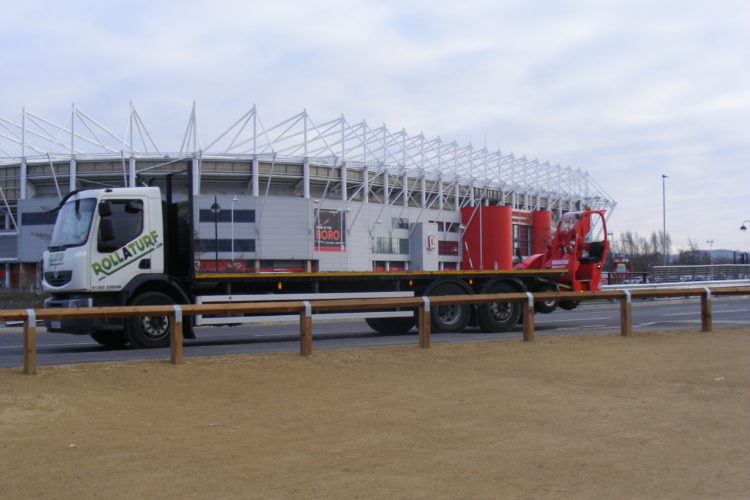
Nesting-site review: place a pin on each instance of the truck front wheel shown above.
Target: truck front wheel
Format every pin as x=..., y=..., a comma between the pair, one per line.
x=110, y=339
x=149, y=331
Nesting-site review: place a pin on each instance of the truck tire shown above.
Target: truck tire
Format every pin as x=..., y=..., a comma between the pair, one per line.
x=452, y=318
x=149, y=331
x=391, y=326
x=546, y=306
x=568, y=305
x=110, y=339
x=499, y=316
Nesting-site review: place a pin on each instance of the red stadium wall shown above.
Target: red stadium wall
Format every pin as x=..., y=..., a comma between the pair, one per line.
x=541, y=231
x=487, y=241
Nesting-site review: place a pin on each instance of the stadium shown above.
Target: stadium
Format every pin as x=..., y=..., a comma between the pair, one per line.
x=298, y=195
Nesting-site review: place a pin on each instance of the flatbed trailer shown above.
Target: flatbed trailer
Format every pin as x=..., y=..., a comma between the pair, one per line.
x=315, y=282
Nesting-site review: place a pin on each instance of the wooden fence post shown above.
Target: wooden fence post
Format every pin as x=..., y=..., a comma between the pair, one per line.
x=706, y=313
x=424, y=323
x=305, y=330
x=29, y=343
x=528, y=318
x=626, y=319
x=175, y=340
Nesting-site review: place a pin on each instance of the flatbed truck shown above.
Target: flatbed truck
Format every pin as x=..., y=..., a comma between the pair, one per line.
x=135, y=246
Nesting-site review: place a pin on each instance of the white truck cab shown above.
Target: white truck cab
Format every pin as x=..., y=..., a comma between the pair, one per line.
x=103, y=240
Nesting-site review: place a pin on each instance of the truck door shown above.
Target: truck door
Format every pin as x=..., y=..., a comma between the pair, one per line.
x=126, y=244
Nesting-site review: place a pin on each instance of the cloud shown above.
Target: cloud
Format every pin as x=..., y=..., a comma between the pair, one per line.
x=626, y=90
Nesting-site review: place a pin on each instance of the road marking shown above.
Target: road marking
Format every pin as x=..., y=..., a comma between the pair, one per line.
x=698, y=322
x=698, y=312
x=565, y=328
x=550, y=321
x=49, y=345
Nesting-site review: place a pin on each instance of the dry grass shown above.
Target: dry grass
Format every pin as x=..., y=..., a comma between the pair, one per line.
x=660, y=415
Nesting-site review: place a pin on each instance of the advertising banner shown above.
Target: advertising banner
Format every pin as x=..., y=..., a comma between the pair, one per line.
x=330, y=233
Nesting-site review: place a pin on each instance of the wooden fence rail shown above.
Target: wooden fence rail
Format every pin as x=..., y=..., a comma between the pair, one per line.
x=305, y=309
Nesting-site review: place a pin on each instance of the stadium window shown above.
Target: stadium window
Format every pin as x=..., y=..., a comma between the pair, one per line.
x=521, y=235
x=447, y=247
x=382, y=244
x=399, y=223
x=38, y=218
x=224, y=215
x=225, y=245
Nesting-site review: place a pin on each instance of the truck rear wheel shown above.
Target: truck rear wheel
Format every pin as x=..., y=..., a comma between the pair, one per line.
x=499, y=316
x=451, y=318
x=391, y=326
x=546, y=306
x=149, y=331
x=110, y=339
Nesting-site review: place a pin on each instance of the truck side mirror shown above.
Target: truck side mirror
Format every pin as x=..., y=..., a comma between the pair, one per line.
x=105, y=209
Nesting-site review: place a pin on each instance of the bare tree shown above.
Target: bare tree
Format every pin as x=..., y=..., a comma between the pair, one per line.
x=693, y=255
x=642, y=253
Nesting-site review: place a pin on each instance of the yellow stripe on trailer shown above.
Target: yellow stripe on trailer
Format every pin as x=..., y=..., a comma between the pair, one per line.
x=510, y=272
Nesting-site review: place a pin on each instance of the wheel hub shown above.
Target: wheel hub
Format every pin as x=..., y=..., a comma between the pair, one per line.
x=448, y=314
x=155, y=326
x=500, y=310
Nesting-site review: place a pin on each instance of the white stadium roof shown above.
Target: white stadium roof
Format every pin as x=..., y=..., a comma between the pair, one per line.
x=32, y=137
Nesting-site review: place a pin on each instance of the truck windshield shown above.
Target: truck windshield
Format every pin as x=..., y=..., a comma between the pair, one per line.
x=73, y=223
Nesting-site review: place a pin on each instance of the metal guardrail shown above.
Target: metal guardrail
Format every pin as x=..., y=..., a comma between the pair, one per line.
x=305, y=309
x=701, y=272
x=614, y=278
x=691, y=284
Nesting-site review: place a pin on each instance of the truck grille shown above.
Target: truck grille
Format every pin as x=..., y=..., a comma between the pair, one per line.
x=58, y=278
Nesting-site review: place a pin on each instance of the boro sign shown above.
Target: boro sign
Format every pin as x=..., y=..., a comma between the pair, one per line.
x=329, y=231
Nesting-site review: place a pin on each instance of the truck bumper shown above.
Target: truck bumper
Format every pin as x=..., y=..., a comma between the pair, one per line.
x=82, y=326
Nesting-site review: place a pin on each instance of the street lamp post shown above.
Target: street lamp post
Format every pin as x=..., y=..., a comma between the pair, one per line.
x=216, y=208
x=664, y=214
x=711, y=257
x=231, y=214
x=371, y=243
x=743, y=228
x=342, y=246
x=316, y=223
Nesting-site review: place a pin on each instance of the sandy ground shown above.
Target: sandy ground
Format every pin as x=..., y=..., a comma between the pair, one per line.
x=663, y=415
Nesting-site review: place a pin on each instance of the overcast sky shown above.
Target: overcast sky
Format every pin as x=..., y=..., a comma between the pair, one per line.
x=626, y=90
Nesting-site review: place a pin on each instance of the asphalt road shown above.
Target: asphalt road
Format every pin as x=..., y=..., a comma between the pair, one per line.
x=57, y=349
